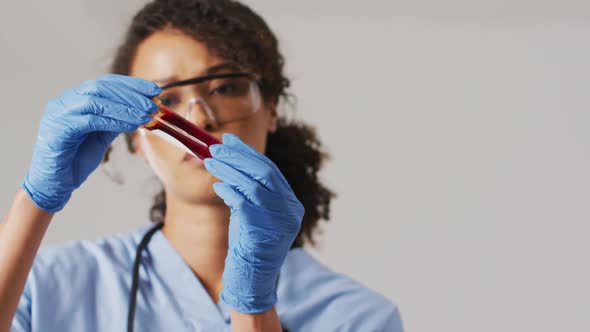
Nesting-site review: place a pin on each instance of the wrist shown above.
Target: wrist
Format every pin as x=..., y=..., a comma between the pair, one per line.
x=23, y=200
x=248, y=287
x=42, y=201
x=264, y=321
x=253, y=304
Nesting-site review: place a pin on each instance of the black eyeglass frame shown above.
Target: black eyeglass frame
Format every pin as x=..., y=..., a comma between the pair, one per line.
x=201, y=79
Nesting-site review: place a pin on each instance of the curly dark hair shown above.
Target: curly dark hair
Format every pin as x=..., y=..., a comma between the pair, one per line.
x=234, y=32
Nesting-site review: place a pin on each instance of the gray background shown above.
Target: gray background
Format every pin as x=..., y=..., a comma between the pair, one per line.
x=458, y=131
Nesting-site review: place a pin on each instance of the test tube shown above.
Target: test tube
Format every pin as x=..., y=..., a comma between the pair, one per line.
x=179, y=131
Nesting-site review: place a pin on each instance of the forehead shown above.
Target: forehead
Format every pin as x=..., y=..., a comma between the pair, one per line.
x=172, y=55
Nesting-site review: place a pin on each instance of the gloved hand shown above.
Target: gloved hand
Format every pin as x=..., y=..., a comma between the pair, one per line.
x=265, y=220
x=77, y=128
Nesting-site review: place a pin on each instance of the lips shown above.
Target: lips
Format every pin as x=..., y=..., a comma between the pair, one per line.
x=189, y=158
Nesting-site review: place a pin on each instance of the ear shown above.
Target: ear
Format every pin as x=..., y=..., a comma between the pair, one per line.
x=273, y=118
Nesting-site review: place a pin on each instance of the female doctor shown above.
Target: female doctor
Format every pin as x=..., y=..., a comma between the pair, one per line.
x=225, y=251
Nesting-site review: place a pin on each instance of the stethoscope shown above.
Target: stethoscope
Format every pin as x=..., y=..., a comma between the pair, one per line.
x=135, y=282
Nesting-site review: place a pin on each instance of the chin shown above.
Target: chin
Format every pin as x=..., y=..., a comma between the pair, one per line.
x=196, y=187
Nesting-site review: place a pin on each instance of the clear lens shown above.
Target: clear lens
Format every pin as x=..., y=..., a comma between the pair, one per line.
x=222, y=99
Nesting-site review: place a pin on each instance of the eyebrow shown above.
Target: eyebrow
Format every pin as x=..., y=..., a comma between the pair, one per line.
x=207, y=72
x=222, y=67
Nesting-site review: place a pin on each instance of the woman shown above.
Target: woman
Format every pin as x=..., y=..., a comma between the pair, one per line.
x=226, y=249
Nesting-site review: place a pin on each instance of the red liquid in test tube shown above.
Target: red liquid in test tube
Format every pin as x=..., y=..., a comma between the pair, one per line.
x=188, y=134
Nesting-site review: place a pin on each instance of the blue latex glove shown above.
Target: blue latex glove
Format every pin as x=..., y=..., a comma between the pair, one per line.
x=265, y=220
x=77, y=128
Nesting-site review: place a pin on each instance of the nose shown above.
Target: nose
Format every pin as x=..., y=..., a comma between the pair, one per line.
x=199, y=113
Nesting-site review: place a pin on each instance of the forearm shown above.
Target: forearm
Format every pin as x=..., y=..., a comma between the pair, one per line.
x=266, y=321
x=21, y=233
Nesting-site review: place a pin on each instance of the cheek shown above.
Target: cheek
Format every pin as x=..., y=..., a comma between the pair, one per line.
x=162, y=156
x=253, y=132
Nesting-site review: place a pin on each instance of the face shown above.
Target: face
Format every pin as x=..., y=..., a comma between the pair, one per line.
x=170, y=56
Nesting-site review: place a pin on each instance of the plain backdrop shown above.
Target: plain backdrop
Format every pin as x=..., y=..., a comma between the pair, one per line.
x=458, y=132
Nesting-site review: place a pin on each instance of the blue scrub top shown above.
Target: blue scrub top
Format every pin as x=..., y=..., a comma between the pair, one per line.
x=84, y=286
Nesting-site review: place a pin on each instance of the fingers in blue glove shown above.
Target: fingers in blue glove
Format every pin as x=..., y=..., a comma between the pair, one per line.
x=231, y=197
x=249, y=187
x=274, y=214
x=248, y=178
x=76, y=130
x=90, y=113
x=139, y=85
x=131, y=91
x=243, y=157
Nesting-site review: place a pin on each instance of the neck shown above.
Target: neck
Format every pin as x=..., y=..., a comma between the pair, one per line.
x=199, y=233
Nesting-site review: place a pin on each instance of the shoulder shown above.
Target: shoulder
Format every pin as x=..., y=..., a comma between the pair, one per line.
x=115, y=248
x=70, y=279
x=315, y=297
x=76, y=263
